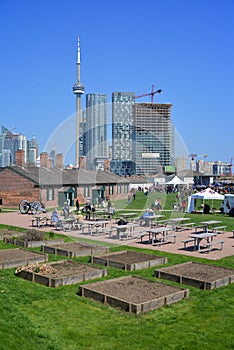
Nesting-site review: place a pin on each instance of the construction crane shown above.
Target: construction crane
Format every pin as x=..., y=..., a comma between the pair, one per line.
x=230, y=168
x=194, y=155
x=152, y=93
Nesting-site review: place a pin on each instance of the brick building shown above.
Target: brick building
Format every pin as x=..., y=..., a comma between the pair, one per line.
x=53, y=186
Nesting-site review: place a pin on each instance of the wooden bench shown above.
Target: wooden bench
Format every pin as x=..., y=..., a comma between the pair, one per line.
x=219, y=229
x=185, y=241
x=211, y=244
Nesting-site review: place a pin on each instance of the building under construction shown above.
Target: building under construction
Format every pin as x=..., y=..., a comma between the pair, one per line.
x=153, y=137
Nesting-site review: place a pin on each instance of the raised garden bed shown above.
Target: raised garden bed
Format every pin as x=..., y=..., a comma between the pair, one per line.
x=32, y=244
x=133, y=294
x=9, y=233
x=60, y=273
x=129, y=260
x=197, y=275
x=16, y=257
x=72, y=250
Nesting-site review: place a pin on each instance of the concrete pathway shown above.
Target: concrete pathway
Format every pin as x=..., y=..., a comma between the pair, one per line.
x=25, y=221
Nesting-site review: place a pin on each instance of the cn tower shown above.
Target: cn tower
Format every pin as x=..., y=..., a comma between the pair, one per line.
x=78, y=90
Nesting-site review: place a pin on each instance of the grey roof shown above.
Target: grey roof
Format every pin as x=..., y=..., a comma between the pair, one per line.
x=66, y=177
x=189, y=173
x=91, y=177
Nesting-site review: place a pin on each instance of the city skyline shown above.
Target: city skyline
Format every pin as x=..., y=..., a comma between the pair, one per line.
x=182, y=48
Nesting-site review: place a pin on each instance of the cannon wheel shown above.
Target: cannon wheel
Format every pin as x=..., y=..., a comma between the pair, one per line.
x=35, y=207
x=24, y=206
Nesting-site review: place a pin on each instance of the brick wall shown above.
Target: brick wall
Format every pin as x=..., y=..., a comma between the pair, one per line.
x=14, y=188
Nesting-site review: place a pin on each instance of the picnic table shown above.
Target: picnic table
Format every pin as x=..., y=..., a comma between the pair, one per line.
x=148, y=219
x=65, y=224
x=179, y=223
x=38, y=221
x=120, y=229
x=208, y=224
x=198, y=237
x=94, y=226
x=159, y=235
x=127, y=215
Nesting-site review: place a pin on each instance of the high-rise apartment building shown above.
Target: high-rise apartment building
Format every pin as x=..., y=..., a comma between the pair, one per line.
x=11, y=142
x=122, y=125
x=153, y=137
x=95, y=145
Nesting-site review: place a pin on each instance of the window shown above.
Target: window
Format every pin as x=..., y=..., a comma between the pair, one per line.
x=86, y=191
x=111, y=189
x=118, y=189
x=50, y=194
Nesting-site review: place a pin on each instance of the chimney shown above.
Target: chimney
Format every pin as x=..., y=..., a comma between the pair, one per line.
x=19, y=158
x=50, y=163
x=44, y=160
x=59, y=161
x=106, y=164
x=82, y=163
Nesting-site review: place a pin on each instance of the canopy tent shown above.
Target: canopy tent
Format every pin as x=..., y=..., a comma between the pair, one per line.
x=208, y=193
x=175, y=181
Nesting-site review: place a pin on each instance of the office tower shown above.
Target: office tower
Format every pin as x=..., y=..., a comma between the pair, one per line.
x=32, y=151
x=122, y=124
x=78, y=90
x=153, y=137
x=95, y=129
x=10, y=143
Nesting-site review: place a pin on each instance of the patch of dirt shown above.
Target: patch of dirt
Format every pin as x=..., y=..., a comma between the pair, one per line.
x=133, y=289
x=17, y=254
x=130, y=257
x=204, y=272
x=8, y=233
x=59, y=269
x=73, y=246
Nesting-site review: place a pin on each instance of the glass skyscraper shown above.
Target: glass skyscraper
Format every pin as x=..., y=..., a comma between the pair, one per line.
x=153, y=137
x=122, y=125
x=95, y=135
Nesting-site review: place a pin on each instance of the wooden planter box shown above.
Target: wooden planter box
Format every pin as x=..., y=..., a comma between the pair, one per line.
x=128, y=260
x=197, y=275
x=121, y=293
x=18, y=257
x=32, y=244
x=79, y=272
x=72, y=250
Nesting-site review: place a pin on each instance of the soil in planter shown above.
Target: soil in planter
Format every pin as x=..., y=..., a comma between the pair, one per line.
x=59, y=269
x=133, y=294
x=60, y=273
x=129, y=259
x=15, y=257
x=198, y=275
x=199, y=271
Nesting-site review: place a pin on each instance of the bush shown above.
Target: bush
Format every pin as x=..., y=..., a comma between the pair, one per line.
x=33, y=235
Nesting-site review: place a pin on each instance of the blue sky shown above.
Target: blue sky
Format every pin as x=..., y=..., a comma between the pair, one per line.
x=184, y=47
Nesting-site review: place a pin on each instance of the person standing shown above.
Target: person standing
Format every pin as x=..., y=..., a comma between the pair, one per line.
x=77, y=205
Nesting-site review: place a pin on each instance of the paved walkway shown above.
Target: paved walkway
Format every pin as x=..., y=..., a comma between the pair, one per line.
x=20, y=220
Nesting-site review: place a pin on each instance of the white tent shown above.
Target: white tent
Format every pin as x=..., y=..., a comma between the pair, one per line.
x=175, y=181
x=208, y=193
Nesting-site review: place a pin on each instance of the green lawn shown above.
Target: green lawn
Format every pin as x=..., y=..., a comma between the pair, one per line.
x=38, y=317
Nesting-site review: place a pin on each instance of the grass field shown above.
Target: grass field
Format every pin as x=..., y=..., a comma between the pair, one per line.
x=38, y=317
